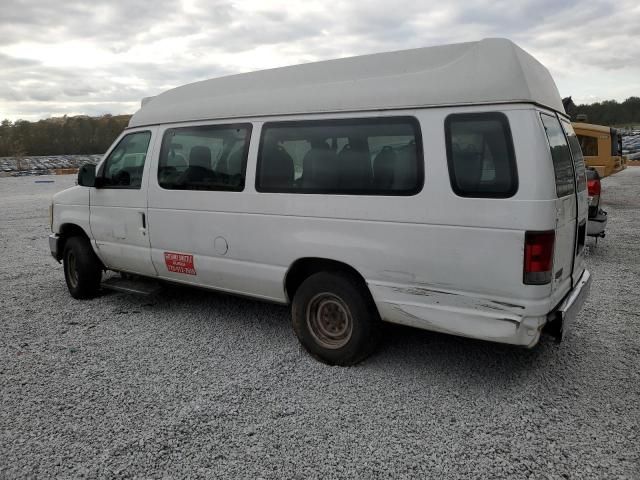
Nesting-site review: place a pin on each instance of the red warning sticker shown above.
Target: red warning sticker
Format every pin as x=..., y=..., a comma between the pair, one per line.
x=179, y=263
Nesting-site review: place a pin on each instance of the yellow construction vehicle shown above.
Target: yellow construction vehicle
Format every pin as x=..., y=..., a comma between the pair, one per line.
x=601, y=147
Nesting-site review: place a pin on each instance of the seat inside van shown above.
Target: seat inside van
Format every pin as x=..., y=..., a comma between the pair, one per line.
x=234, y=162
x=199, y=168
x=320, y=168
x=276, y=168
x=355, y=166
x=404, y=172
x=200, y=157
x=384, y=165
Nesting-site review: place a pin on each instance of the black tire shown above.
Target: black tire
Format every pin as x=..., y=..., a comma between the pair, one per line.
x=335, y=319
x=82, y=268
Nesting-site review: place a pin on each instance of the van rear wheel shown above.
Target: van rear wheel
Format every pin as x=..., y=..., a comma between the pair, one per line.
x=82, y=268
x=335, y=319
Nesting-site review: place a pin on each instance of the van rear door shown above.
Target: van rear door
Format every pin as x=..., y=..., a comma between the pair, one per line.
x=568, y=258
x=582, y=198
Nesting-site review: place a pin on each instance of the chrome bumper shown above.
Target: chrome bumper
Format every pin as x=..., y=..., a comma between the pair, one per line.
x=565, y=314
x=55, y=244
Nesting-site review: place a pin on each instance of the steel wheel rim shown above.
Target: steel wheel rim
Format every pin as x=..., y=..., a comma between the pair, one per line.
x=72, y=269
x=329, y=320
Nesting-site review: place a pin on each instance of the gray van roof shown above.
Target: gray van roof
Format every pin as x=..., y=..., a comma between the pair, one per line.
x=492, y=70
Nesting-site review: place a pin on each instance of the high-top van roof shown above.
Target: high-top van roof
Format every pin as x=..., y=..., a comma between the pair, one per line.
x=492, y=70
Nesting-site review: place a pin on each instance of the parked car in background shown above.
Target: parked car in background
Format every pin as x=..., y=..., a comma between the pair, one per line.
x=597, y=217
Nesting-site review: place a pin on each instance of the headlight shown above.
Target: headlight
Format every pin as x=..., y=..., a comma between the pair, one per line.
x=51, y=217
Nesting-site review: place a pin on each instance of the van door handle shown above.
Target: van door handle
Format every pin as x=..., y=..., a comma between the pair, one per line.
x=144, y=222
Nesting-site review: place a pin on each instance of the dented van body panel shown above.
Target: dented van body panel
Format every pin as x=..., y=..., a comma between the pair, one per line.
x=71, y=207
x=449, y=255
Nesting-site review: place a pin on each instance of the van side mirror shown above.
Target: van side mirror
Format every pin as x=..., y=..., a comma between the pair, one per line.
x=87, y=175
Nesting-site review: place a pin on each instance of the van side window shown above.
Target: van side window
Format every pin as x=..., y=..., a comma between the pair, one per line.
x=124, y=165
x=576, y=154
x=368, y=156
x=480, y=155
x=561, y=155
x=207, y=157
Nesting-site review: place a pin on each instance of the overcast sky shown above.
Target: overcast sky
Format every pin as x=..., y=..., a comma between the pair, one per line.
x=93, y=57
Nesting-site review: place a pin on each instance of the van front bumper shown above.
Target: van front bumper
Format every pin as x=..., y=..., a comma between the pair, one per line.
x=55, y=245
x=566, y=312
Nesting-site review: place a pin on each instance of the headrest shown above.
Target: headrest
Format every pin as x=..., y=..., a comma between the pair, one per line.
x=200, y=156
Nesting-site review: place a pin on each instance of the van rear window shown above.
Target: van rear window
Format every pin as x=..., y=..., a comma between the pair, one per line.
x=366, y=156
x=560, y=154
x=480, y=155
x=206, y=157
x=576, y=155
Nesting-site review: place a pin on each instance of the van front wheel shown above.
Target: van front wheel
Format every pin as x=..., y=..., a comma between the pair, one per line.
x=82, y=268
x=335, y=319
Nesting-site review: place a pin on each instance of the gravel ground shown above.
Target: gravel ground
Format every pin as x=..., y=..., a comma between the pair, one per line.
x=195, y=384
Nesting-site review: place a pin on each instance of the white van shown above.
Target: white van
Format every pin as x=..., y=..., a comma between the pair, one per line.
x=441, y=188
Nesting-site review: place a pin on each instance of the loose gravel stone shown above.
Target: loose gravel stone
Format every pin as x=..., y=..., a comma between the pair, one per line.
x=194, y=384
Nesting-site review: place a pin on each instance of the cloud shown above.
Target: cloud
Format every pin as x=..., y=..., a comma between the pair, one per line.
x=106, y=21
x=88, y=57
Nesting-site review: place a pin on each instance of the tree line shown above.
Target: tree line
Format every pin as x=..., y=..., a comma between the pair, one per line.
x=87, y=135
x=61, y=135
x=608, y=112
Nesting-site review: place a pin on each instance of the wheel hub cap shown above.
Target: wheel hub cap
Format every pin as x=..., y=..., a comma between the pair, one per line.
x=329, y=320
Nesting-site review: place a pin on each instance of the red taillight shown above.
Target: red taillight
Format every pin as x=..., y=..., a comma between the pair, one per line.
x=538, y=257
x=593, y=186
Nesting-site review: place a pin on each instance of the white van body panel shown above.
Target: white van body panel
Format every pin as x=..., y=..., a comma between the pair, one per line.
x=427, y=259
x=121, y=241
x=490, y=71
x=71, y=207
x=433, y=260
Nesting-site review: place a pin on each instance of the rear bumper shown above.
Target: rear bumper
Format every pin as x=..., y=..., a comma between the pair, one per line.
x=597, y=224
x=559, y=320
x=55, y=245
x=506, y=321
